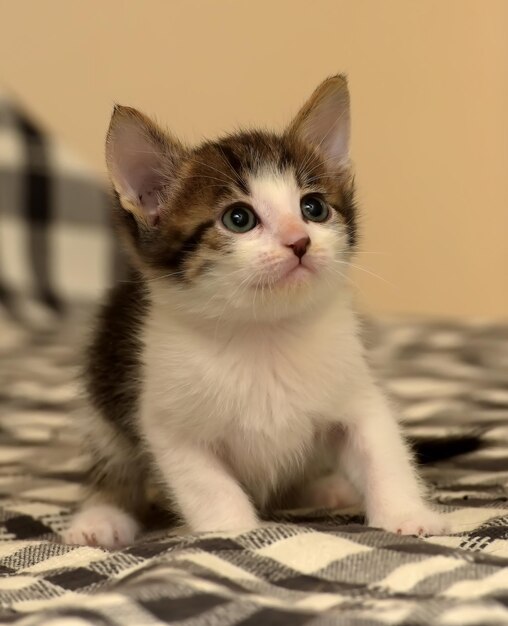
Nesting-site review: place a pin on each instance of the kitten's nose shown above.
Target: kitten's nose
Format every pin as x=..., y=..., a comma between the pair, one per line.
x=300, y=246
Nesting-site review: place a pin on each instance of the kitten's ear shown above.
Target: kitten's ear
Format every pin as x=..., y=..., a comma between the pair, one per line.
x=324, y=121
x=141, y=160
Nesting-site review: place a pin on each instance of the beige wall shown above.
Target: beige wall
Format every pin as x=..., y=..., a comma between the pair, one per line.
x=429, y=81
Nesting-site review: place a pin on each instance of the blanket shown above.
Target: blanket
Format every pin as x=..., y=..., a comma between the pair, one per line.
x=306, y=568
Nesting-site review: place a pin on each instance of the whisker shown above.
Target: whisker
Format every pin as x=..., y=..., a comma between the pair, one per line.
x=363, y=269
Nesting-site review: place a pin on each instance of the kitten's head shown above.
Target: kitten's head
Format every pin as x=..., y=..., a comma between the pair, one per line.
x=253, y=225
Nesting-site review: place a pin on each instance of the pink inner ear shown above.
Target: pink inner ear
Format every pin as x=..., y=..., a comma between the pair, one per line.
x=147, y=185
x=329, y=130
x=325, y=121
x=136, y=167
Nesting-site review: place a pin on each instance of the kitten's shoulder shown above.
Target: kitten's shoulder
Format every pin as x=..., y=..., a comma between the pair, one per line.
x=113, y=358
x=125, y=307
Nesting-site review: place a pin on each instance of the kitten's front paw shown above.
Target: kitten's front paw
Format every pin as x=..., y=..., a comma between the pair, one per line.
x=102, y=525
x=420, y=521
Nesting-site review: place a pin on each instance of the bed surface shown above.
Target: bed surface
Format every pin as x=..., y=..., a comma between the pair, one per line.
x=314, y=568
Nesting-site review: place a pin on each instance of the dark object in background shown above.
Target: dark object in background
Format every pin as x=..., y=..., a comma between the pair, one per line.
x=433, y=450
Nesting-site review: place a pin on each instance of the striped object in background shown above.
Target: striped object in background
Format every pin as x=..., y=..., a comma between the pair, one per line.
x=55, y=236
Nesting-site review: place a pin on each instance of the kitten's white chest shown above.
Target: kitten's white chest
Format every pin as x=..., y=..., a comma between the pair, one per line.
x=257, y=394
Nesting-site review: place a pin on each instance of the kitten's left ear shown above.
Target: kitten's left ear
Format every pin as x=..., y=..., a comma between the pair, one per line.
x=142, y=159
x=324, y=121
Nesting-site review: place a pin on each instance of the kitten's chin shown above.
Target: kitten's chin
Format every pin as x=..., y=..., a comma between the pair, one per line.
x=297, y=276
x=297, y=292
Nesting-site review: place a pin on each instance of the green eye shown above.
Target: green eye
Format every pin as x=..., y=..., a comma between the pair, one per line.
x=314, y=208
x=239, y=218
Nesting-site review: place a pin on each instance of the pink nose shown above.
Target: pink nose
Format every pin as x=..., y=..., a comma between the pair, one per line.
x=300, y=246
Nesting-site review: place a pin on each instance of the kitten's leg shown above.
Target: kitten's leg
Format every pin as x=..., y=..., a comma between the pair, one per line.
x=115, y=493
x=331, y=491
x=100, y=523
x=325, y=485
x=379, y=464
x=207, y=495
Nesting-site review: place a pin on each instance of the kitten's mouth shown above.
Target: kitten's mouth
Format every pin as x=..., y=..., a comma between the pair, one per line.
x=297, y=275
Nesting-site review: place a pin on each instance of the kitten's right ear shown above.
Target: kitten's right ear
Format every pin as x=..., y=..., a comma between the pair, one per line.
x=324, y=121
x=141, y=160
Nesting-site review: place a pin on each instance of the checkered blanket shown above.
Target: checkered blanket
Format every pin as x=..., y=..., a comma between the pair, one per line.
x=55, y=235
x=312, y=568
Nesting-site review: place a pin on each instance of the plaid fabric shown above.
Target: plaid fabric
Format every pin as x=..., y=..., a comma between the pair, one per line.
x=53, y=219
x=310, y=569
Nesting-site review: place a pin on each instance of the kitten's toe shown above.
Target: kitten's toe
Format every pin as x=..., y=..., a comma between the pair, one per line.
x=102, y=525
x=420, y=521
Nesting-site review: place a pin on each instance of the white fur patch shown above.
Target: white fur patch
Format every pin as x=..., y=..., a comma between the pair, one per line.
x=102, y=525
x=276, y=198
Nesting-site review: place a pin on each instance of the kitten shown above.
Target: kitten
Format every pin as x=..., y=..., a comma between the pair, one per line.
x=229, y=370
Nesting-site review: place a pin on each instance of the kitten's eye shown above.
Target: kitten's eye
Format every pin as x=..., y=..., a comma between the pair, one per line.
x=314, y=208
x=239, y=218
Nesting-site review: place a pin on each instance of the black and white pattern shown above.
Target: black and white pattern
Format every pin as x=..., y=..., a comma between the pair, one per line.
x=309, y=569
x=304, y=569
x=54, y=220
